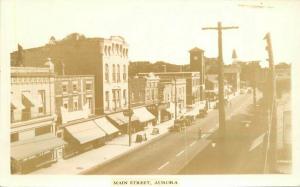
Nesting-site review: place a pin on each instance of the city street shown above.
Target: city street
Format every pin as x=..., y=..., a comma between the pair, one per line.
x=173, y=152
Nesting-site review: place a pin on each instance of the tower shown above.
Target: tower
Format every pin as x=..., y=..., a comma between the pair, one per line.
x=197, y=64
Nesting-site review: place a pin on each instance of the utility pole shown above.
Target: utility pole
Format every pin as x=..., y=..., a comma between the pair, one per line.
x=222, y=125
x=271, y=157
x=175, y=98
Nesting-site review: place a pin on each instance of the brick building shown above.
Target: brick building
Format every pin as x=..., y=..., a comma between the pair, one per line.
x=106, y=59
x=33, y=140
x=74, y=98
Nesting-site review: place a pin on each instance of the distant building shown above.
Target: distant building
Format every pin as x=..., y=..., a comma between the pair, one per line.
x=232, y=76
x=144, y=89
x=33, y=140
x=165, y=92
x=193, y=87
x=144, y=92
x=197, y=64
x=106, y=59
x=74, y=98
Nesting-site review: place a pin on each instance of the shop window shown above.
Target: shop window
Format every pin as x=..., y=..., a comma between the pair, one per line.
x=42, y=130
x=14, y=137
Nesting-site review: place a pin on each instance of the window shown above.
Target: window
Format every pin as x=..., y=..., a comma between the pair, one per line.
x=64, y=88
x=75, y=105
x=88, y=86
x=118, y=75
x=105, y=50
x=42, y=95
x=14, y=137
x=106, y=73
x=124, y=72
x=12, y=117
x=42, y=130
x=74, y=87
x=107, y=100
x=66, y=103
x=114, y=73
x=89, y=101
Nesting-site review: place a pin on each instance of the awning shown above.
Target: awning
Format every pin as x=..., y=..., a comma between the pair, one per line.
x=39, y=144
x=106, y=126
x=17, y=104
x=121, y=119
x=35, y=101
x=143, y=114
x=85, y=131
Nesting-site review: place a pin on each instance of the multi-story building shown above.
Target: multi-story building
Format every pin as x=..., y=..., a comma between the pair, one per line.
x=193, y=87
x=165, y=96
x=33, y=140
x=74, y=98
x=106, y=59
x=232, y=76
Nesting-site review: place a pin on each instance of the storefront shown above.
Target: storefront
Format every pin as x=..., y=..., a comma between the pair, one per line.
x=121, y=122
x=82, y=137
x=163, y=114
x=29, y=155
x=146, y=118
x=110, y=130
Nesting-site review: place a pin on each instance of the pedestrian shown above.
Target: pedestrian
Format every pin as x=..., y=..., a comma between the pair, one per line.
x=145, y=137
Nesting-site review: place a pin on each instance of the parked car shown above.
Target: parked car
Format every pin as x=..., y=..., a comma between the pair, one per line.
x=179, y=125
x=202, y=113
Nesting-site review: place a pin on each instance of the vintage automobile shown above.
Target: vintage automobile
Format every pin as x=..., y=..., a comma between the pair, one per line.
x=202, y=113
x=179, y=125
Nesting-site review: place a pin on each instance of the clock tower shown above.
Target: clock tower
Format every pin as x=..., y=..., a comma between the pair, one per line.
x=197, y=64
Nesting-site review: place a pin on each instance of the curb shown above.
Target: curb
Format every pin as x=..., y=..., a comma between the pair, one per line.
x=87, y=171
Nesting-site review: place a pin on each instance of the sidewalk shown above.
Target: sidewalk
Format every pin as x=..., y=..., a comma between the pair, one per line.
x=111, y=150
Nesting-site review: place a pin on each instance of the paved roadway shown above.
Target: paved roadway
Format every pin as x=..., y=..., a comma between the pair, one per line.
x=169, y=154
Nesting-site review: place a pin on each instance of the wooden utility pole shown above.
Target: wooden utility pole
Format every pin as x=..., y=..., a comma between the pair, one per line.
x=222, y=125
x=271, y=158
x=175, y=98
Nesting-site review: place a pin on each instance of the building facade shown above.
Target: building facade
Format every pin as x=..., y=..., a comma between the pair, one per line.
x=106, y=59
x=33, y=140
x=74, y=98
x=193, y=87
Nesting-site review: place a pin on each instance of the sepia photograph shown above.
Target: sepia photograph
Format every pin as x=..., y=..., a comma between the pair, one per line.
x=140, y=93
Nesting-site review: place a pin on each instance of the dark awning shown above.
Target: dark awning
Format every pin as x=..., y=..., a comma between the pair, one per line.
x=121, y=119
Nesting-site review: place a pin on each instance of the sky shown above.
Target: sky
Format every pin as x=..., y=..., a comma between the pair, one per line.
x=161, y=30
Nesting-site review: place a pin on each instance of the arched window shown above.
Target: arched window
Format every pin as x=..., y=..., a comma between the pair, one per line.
x=106, y=73
x=118, y=76
x=113, y=48
x=121, y=49
x=105, y=50
x=124, y=72
x=117, y=49
x=125, y=97
x=114, y=73
x=109, y=50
